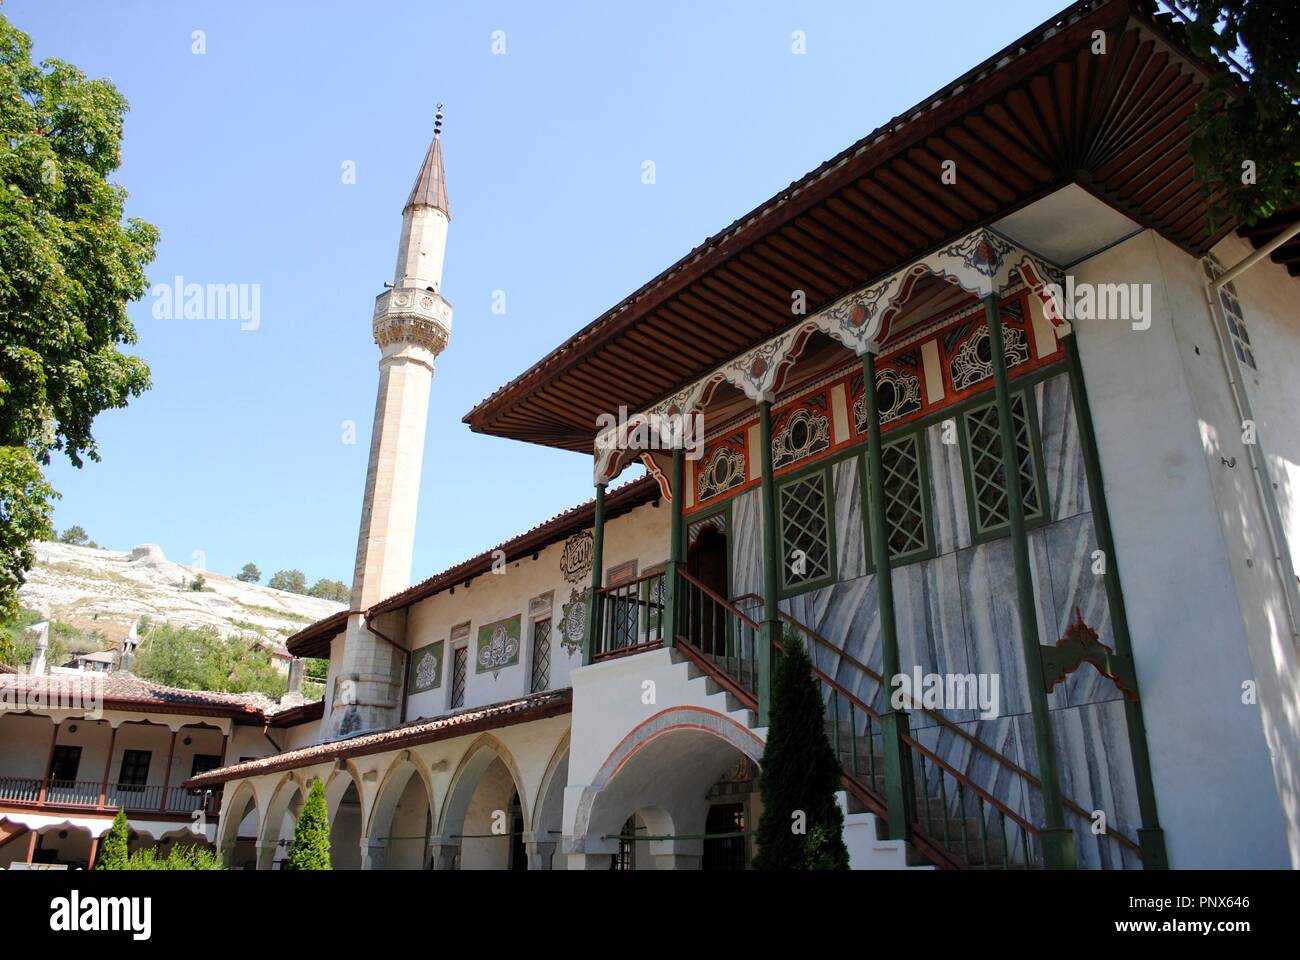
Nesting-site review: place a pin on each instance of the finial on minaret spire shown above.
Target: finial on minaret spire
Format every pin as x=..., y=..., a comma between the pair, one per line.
x=430, y=188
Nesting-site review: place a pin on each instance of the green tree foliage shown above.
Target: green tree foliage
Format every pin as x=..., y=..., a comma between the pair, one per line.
x=69, y=264
x=335, y=590
x=196, y=585
x=181, y=856
x=24, y=512
x=1246, y=130
x=310, y=849
x=114, y=852
x=290, y=581
x=204, y=660
x=249, y=574
x=74, y=535
x=799, y=774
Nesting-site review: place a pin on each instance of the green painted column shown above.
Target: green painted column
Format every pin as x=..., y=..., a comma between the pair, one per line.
x=770, y=629
x=597, y=574
x=1150, y=835
x=1057, y=838
x=893, y=723
x=676, y=546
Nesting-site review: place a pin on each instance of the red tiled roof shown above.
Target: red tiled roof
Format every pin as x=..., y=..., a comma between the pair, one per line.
x=132, y=693
x=618, y=501
x=536, y=707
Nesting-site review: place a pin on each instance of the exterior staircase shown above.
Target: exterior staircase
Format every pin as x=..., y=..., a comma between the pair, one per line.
x=954, y=822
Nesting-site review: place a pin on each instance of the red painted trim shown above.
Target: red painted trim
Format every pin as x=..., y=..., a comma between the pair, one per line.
x=678, y=726
x=855, y=439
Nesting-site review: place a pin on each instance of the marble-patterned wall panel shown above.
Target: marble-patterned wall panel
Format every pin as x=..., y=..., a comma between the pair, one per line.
x=850, y=539
x=988, y=589
x=947, y=490
x=1067, y=485
x=1096, y=772
x=931, y=625
x=1070, y=545
x=746, y=536
x=846, y=616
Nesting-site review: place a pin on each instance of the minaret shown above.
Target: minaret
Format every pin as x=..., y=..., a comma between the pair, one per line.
x=412, y=323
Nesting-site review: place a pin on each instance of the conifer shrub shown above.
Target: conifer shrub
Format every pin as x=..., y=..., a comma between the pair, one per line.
x=801, y=827
x=310, y=849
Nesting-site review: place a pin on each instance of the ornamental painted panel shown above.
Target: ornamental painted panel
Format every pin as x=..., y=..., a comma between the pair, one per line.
x=801, y=432
x=498, y=645
x=573, y=622
x=898, y=391
x=426, y=668
x=575, y=563
x=722, y=468
x=972, y=360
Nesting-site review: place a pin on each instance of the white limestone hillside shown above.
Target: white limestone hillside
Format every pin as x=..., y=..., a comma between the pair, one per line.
x=107, y=590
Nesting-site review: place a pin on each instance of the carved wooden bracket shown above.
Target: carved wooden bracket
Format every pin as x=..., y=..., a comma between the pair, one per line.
x=1080, y=645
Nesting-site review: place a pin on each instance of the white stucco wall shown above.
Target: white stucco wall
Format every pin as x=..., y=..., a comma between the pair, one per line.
x=1160, y=407
x=641, y=535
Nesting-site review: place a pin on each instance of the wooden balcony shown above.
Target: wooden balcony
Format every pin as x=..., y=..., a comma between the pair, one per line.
x=94, y=796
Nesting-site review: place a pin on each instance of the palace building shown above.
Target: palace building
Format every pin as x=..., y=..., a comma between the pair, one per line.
x=983, y=400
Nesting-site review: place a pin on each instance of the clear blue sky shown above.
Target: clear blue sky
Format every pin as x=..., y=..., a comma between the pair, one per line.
x=236, y=155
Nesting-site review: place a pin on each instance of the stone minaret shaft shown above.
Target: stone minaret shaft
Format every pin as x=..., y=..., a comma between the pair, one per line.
x=412, y=322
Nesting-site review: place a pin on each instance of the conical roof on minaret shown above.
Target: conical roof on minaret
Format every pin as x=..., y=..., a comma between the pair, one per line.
x=430, y=188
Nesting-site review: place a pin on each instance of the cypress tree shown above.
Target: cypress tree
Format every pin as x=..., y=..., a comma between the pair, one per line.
x=115, y=851
x=799, y=774
x=310, y=849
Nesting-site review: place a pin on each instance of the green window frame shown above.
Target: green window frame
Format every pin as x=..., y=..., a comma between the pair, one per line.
x=981, y=449
x=906, y=464
x=805, y=512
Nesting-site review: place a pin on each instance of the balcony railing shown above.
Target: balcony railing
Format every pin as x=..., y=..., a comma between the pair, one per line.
x=631, y=617
x=133, y=798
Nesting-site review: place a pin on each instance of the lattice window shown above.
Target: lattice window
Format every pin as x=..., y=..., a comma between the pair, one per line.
x=804, y=504
x=1232, y=314
x=459, y=676
x=541, y=678
x=987, y=478
x=905, y=497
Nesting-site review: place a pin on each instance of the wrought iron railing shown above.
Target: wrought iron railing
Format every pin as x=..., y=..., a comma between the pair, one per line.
x=630, y=618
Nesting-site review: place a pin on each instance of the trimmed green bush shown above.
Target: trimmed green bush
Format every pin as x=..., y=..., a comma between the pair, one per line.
x=310, y=849
x=802, y=826
x=115, y=851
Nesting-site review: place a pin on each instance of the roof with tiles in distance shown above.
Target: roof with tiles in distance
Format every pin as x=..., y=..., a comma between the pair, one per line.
x=314, y=641
x=539, y=706
x=124, y=692
x=1038, y=115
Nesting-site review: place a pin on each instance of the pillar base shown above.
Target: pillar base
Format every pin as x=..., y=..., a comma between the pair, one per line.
x=678, y=861
x=590, y=861
x=443, y=854
x=1058, y=848
x=1154, y=854
x=899, y=789
x=539, y=853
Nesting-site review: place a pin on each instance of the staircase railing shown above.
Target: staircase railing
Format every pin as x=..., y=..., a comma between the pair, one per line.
x=953, y=815
x=719, y=635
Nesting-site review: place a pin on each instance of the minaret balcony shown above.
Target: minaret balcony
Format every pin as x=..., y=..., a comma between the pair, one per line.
x=406, y=314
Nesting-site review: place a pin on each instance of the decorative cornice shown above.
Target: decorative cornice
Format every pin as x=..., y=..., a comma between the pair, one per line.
x=406, y=315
